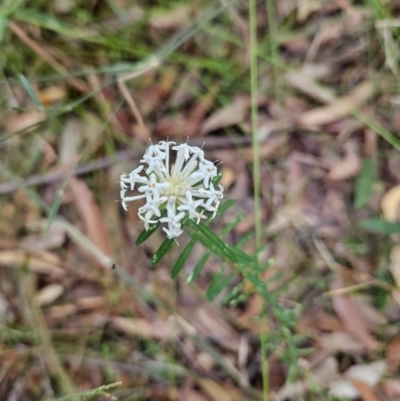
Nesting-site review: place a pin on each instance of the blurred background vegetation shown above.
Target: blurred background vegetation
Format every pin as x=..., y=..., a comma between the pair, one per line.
x=300, y=100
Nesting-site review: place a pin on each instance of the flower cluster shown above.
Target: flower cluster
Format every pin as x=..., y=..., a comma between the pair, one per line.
x=178, y=179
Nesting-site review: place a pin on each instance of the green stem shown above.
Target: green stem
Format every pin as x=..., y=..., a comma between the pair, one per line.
x=256, y=173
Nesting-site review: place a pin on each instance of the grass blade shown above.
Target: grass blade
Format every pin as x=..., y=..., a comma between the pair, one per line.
x=29, y=90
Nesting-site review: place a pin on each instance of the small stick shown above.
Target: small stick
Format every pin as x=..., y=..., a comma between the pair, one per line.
x=75, y=82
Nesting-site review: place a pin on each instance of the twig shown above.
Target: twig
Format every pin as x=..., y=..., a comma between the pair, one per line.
x=75, y=82
x=105, y=162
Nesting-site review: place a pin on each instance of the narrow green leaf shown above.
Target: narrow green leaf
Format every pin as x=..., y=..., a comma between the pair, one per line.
x=182, y=258
x=146, y=234
x=240, y=255
x=29, y=90
x=364, y=184
x=215, y=241
x=210, y=245
x=199, y=267
x=218, y=283
x=52, y=213
x=225, y=206
x=229, y=227
x=161, y=251
x=380, y=226
x=3, y=25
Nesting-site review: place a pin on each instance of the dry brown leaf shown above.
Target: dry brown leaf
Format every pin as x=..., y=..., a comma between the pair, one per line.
x=268, y=149
x=23, y=121
x=136, y=327
x=248, y=319
x=216, y=391
x=340, y=109
x=60, y=312
x=231, y=114
x=228, y=177
x=340, y=341
x=159, y=330
x=52, y=239
x=175, y=127
x=390, y=204
x=392, y=388
x=210, y=323
x=358, y=380
x=314, y=321
x=91, y=302
x=349, y=313
x=47, y=295
x=43, y=262
x=306, y=84
x=307, y=7
x=51, y=95
x=170, y=20
x=71, y=138
x=347, y=167
x=205, y=361
x=193, y=395
x=394, y=268
x=393, y=354
x=91, y=215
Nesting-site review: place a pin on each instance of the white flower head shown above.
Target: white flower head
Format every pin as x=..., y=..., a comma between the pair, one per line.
x=176, y=179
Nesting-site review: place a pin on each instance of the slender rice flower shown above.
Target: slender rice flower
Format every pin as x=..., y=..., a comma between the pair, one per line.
x=177, y=179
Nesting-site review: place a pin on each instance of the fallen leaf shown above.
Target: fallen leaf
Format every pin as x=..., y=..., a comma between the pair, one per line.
x=174, y=127
x=91, y=302
x=347, y=167
x=210, y=323
x=52, y=239
x=47, y=295
x=43, y=262
x=216, y=391
x=176, y=18
x=25, y=121
x=390, y=204
x=60, y=312
x=392, y=388
x=365, y=391
x=349, y=314
x=159, y=330
x=343, y=389
x=270, y=148
x=192, y=395
x=91, y=215
x=306, y=84
x=70, y=140
x=369, y=373
x=307, y=7
x=340, y=341
x=358, y=380
x=205, y=361
x=232, y=114
x=394, y=268
x=51, y=95
x=339, y=109
x=393, y=354
x=228, y=177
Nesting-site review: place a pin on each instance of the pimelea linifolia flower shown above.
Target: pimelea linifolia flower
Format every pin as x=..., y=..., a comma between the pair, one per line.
x=175, y=178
